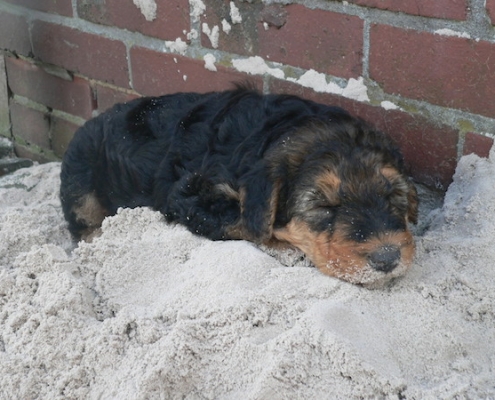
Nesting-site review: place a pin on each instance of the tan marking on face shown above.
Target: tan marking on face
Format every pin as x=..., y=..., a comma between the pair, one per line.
x=299, y=235
x=339, y=257
x=328, y=183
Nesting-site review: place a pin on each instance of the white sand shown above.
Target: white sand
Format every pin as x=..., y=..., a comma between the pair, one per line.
x=149, y=311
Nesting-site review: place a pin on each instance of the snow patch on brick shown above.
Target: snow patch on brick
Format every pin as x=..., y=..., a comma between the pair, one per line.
x=192, y=34
x=388, y=105
x=450, y=32
x=212, y=34
x=226, y=27
x=316, y=81
x=177, y=46
x=147, y=8
x=197, y=8
x=256, y=66
x=210, y=62
x=355, y=89
x=235, y=15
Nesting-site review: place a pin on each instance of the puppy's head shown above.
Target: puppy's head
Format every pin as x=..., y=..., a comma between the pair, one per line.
x=349, y=214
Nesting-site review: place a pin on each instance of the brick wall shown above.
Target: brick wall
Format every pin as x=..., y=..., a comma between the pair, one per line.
x=423, y=70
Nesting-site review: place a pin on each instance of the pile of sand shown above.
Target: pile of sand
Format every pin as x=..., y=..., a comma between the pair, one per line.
x=150, y=311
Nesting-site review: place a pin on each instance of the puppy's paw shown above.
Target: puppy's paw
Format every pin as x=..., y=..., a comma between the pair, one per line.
x=204, y=207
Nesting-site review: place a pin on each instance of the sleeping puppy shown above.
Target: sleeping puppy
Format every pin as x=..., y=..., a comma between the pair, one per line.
x=242, y=165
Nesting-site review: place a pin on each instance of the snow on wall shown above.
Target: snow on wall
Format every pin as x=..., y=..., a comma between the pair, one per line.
x=197, y=8
x=256, y=66
x=210, y=62
x=213, y=34
x=147, y=8
x=450, y=32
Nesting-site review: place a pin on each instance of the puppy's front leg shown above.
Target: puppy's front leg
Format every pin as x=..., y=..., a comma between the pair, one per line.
x=258, y=197
x=204, y=207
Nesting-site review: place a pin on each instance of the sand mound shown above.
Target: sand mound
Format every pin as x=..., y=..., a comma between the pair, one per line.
x=150, y=311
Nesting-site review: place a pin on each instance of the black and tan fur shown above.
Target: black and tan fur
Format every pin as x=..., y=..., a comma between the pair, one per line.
x=241, y=165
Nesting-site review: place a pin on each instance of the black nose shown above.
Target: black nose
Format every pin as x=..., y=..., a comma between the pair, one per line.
x=385, y=259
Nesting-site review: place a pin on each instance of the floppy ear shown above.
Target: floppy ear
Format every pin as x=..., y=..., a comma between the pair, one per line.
x=412, y=203
x=258, y=199
x=411, y=196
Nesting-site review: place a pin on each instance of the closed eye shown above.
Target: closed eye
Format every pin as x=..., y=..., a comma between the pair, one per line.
x=323, y=218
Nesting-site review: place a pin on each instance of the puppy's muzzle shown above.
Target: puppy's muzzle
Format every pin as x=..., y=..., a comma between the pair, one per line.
x=385, y=259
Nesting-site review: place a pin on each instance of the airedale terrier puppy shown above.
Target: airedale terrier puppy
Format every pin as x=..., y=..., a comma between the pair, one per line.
x=242, y=165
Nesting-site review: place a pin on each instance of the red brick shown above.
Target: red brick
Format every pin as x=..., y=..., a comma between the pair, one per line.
x=490, y=7
x=30, y=125
x=28, y=80
x=430, y=150
x=62, y=132
x=107, y=96
x=14, y=34
x=34, y=154
x=160, y=73
x=449, y=71
x=62, y=7
x=172, y=17
x=477, y=144
x=91, y=55
x=448, y=9
x=322, y=40
x=4, y=103
x=243, y=37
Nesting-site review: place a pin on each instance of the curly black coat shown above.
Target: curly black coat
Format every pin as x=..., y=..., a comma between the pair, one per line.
x=242, y=165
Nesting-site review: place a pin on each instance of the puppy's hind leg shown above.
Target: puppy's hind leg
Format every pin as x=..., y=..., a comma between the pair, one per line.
x=82, y=209
x=85, y=217
x=89, y=212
